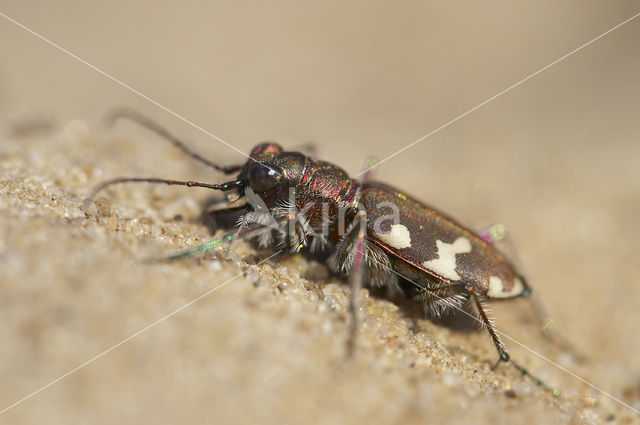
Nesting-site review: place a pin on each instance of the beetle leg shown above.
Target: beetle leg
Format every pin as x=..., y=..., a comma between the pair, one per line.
x=491, y=328
x=357, y=273
x=497, y=233
x=441, y=299
x=492, y=234
x=352, y=257
x=246, y=233
x=295, y=232
x=368, y=169
x=310, y=149
x=502, y=351
x=214, y=205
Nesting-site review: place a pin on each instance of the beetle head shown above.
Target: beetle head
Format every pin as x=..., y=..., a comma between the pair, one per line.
x=270, y=172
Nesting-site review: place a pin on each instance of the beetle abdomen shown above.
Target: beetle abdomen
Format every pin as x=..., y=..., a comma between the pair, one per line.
x=436, y=244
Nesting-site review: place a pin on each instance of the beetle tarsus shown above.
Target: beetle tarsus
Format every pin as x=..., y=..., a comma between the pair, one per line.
x=525, y=372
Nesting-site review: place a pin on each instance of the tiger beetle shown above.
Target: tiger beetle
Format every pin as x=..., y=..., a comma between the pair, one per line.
x=378, y=235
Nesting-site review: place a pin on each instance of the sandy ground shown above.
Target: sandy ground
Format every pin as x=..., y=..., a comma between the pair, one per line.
x=266, y=347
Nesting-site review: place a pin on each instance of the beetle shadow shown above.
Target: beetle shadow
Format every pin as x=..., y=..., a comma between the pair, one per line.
x=455, y=320
x=214, y=218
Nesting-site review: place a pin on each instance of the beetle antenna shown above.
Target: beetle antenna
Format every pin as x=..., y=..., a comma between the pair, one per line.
x=130, y=114
x=554, y=391
x=86, y=204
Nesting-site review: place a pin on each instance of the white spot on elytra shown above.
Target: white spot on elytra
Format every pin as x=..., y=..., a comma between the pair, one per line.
x=399, y=237
x=445, y=264
x=518, y=287
x=496, y=288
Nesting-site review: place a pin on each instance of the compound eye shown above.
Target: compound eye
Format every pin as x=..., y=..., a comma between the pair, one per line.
x=267, y=148
x=263, y=178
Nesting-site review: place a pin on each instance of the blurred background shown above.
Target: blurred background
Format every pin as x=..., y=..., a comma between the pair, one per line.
x=557, y=159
